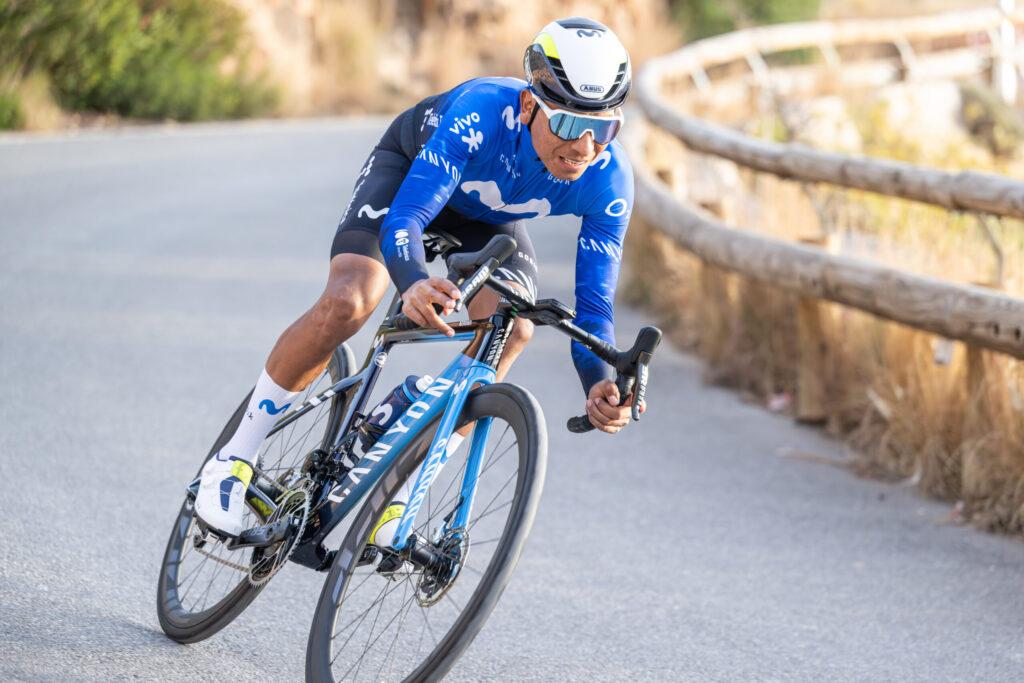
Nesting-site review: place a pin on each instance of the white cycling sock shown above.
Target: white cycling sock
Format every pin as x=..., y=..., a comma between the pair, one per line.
x=269, y=401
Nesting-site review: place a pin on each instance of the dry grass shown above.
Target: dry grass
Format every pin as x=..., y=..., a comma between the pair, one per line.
x=936, y=413
x=387, y=55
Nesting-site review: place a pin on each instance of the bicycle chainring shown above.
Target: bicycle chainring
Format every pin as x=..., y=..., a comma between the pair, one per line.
x=265, y=562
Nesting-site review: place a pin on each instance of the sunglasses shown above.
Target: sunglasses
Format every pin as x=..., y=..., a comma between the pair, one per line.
x=572, y=126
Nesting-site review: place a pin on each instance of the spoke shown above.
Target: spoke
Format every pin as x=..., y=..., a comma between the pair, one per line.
x=360, y=618
x=298, y=445
x=384, y=592
x=488, y=513
x=496, y=446
x=477, y=544
x=366, y=648
x=473, y=569
x=194, y=575
x=213, y=579
x=494, y=461
x=389, y=656
x=449, y=598
x=305, y=397
x=444, y=498
x=487, y=509
x=383, y=631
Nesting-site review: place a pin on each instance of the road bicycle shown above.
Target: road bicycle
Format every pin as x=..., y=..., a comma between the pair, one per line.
x=409, y=610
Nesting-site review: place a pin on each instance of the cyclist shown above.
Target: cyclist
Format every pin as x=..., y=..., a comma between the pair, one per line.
x=474, y=161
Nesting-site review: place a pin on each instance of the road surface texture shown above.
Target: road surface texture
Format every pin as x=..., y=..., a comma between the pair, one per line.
x=145, y=275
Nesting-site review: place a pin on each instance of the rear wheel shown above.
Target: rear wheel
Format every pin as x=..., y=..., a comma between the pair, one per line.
x=203, y=586
x=408, y=624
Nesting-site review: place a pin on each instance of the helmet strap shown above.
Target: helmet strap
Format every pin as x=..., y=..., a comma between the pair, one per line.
x=536, y=108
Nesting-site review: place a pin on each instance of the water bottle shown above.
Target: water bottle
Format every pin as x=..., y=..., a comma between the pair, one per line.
x=391, y=408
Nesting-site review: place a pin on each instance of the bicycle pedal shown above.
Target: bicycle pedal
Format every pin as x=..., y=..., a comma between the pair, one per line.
x=261, y=536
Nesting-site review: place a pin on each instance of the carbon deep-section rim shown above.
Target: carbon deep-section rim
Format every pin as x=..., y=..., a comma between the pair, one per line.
x=395, y=639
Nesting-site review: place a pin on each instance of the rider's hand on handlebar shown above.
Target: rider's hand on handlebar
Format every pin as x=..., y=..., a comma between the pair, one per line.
x=603, y=407
x=418, y=302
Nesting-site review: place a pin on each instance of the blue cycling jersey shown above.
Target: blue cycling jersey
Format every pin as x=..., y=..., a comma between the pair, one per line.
x=480, y=162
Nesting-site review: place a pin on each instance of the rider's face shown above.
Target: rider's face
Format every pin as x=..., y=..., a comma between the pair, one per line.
x=565, y=159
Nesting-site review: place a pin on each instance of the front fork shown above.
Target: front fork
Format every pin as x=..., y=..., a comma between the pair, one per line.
x=476, y=374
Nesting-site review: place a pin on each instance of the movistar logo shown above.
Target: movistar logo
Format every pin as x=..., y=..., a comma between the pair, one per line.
x=268, y=405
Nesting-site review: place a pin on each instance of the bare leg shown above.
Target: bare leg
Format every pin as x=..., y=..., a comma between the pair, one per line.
x=355, y=286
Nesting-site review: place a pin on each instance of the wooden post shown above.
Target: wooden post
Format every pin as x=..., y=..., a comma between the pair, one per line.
x=813, y=370
x=1004, y=72
x=977, y=382
x=975, y=393
x=714, y=312
x=812, y=366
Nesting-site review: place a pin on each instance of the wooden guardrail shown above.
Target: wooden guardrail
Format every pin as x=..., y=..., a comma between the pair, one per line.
x=978, y=316
x=965, y=190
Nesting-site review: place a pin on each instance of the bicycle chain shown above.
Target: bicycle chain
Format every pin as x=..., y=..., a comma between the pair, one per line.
x=247, y=568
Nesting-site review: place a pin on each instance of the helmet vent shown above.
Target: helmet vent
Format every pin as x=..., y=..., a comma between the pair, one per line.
x=619, y=76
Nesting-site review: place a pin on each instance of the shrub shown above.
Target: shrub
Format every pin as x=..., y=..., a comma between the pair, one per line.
x=703, y=18
x=991, y=121
x=11, y=115
x=142, y=58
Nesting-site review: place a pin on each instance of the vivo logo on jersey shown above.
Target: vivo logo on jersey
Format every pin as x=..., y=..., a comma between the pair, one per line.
x=437, y=160
x=401, y=426
x=461, y=123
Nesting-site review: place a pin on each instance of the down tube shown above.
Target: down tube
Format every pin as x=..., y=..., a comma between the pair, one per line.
x=476, y=373
x=368, y=471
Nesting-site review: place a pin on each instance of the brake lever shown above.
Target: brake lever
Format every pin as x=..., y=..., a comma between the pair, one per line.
x=641, y=390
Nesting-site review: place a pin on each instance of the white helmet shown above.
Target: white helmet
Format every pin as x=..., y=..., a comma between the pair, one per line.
x=580, y=64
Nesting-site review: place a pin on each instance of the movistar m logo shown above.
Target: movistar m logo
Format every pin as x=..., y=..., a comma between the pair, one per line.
x=268, y=405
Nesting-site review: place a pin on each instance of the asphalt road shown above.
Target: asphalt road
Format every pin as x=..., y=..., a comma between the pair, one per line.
x=145, y=275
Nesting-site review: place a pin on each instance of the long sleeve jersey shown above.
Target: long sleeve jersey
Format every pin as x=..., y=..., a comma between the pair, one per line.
x=480, y=162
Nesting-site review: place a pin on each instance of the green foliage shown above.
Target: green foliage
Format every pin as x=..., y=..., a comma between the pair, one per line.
x=703, y=18
x=991, y=121
x=11, y=115
x=140, y=58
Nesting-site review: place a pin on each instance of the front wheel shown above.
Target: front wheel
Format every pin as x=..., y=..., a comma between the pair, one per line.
x=400, y=624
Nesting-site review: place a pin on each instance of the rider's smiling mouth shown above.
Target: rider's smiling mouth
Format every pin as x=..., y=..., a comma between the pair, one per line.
x=573, y=162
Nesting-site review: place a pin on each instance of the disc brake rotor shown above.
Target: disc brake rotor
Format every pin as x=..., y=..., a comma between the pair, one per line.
x=434, y=583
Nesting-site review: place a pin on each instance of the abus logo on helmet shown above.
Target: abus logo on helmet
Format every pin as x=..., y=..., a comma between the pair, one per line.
x=589, y=87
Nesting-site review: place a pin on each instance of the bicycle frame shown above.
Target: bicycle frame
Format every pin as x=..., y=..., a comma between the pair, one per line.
x=445, y=397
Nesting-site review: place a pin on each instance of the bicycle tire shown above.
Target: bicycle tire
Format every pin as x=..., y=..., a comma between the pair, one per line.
x=178, y=623
x=520, y=410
